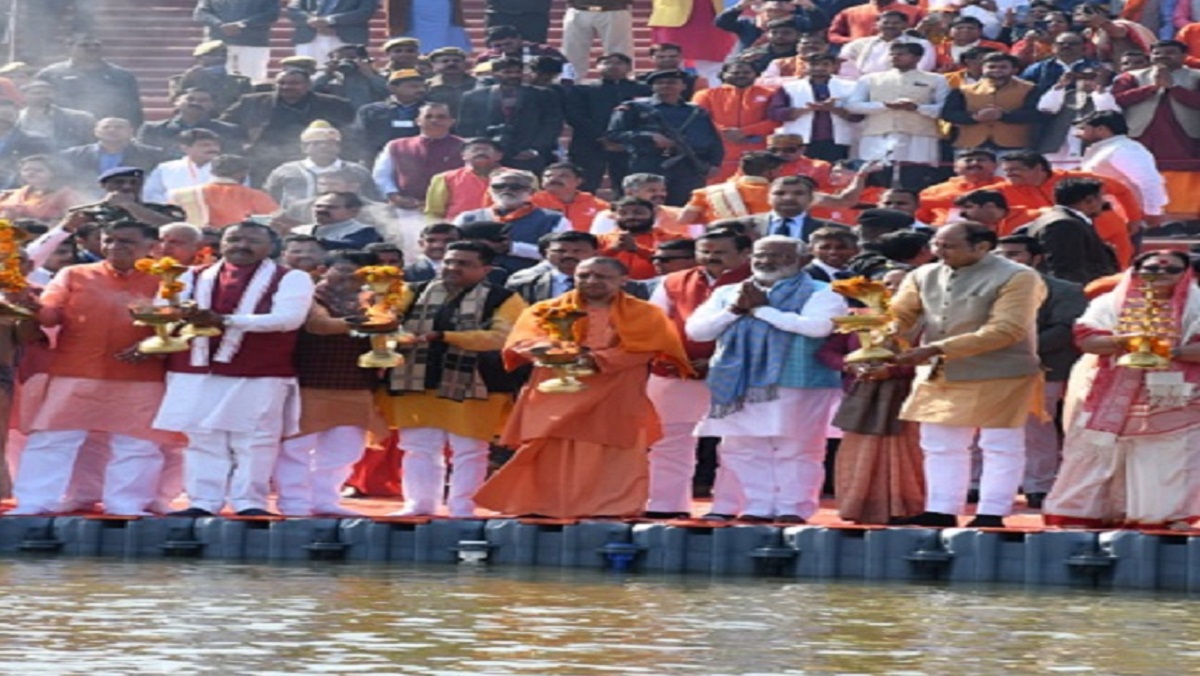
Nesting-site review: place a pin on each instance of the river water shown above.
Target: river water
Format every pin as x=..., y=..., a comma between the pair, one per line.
x=78, y=616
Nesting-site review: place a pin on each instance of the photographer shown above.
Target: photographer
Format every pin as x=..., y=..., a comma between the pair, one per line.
x=122, y=202
x=350, y=73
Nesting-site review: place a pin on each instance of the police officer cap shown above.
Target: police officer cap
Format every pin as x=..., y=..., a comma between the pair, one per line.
x=665, y=74
x=122, y=172
x=398, y=42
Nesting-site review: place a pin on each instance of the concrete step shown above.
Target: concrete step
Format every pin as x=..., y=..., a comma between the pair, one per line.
x=155, y=40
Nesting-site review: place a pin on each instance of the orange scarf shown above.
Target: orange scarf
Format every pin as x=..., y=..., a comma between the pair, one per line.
x=641, y=327
x=514, y=215
x=1133, y=10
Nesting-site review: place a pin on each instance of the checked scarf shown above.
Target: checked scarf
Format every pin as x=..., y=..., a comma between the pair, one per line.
x=433, y=309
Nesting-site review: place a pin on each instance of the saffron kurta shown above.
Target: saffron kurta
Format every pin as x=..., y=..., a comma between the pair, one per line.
x=737, y=197
x=88, y=388
x=744, y=109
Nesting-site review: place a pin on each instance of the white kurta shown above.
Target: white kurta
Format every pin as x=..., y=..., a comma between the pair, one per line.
x=174, y=175
x=796, y=409
x=229, y=404
x=206, y=402
x=1131, y=163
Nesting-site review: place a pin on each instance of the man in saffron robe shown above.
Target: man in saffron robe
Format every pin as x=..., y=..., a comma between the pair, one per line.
x=572, y=460
x=742, y=195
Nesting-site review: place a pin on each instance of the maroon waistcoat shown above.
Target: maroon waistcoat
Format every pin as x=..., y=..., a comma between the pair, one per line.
x=261, y=355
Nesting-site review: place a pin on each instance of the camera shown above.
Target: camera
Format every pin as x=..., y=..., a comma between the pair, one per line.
x=103, y=213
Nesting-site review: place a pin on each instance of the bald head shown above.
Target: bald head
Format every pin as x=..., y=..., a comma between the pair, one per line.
x=599, y=279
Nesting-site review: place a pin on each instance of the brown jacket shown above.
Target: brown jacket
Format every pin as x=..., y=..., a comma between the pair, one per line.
x=1017, y=98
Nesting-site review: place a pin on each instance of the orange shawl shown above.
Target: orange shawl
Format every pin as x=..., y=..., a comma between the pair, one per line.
x=641, y=327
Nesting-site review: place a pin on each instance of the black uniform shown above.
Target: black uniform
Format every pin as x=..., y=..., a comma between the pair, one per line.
x=589, y=109
x=633, y=122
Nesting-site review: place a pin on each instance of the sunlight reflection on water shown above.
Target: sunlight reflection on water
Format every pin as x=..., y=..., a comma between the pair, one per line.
x=110, y=617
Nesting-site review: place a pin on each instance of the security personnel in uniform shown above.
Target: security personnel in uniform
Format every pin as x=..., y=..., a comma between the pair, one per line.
x=666, y=135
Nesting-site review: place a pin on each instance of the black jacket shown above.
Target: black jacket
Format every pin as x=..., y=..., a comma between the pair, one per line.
x=590, y=107
x=1073, y=250
x=535, y=123
x=274, y=128
x=377, y=122
x=1064, y=304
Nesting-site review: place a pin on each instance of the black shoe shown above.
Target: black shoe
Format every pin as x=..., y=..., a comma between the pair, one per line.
x=754, y=518
x=973, y=496
x=667, y=515
x=931, y=519
x=1035, y=500
x=254, y=511
x=192, y=512
x=701, y=492
x=790, y=519
x=986, y=521
x=713, y=516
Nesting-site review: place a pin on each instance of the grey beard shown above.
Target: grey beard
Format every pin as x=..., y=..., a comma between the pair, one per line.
x=775, y=276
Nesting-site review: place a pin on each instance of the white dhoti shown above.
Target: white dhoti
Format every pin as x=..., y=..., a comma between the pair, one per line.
x=680, y=403
x=234, y=427
x=49, y=459
x=423, y=474
x=774, y=452
x=311, y=469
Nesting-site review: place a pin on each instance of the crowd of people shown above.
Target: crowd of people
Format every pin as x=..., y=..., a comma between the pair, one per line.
x=703, y=222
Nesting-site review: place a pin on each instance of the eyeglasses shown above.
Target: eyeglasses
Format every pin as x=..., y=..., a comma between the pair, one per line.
x=787, y=149
x=1068, y=43
x=509, y=186
x=1162, y=269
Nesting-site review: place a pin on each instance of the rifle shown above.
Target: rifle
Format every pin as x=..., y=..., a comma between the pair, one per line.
x=684, y=152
